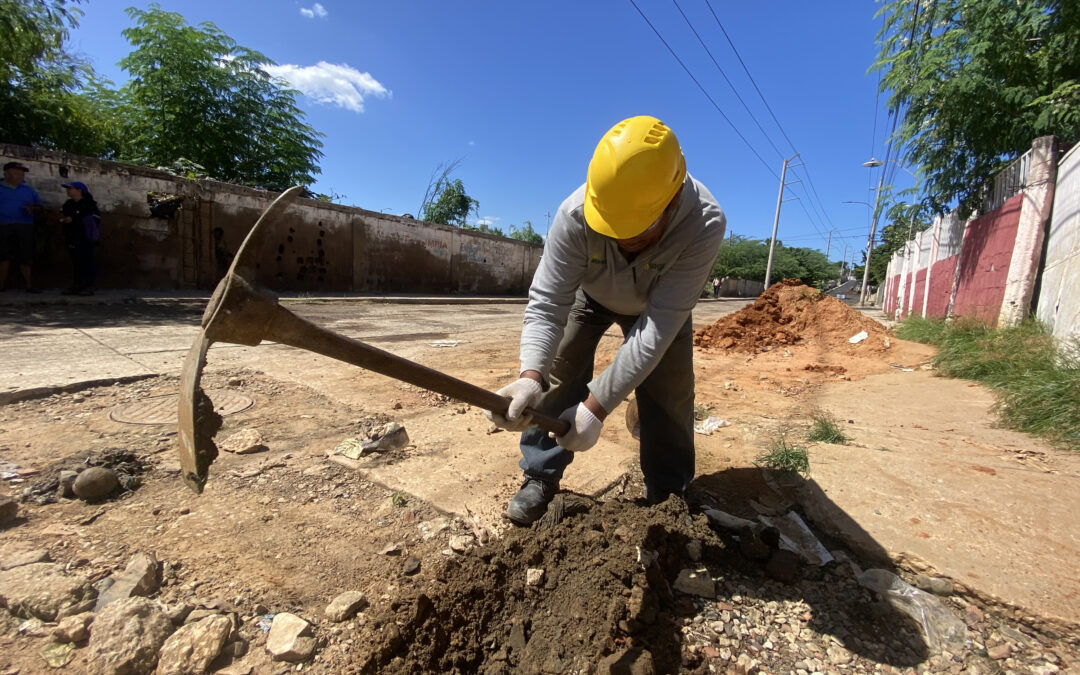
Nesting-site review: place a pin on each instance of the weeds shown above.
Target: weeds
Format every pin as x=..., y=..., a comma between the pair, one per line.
x=398, y=500
x=826, y=430
x=785, y=457
x=701, y=411
x=1037, y=379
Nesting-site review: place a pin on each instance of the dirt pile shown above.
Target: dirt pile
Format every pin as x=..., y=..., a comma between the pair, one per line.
x=790, y=313
x=602, y=590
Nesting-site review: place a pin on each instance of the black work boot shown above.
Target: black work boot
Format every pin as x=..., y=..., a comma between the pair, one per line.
x=531, y=501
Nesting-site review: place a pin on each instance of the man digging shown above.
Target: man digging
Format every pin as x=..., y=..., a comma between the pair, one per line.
x=634, y=246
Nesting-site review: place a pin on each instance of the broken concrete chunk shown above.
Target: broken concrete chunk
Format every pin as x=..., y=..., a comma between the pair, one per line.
x=41, y=590
x=140, y=578
x=38, y=555
x=95, y=483
x=345, y=606
x=127, y=636
x=74, y=628
x=534, y=576
x=289, y=639
x=191, y=649
x=243, y=442
x=726, y=520
x=695, y=582
x=459, y=543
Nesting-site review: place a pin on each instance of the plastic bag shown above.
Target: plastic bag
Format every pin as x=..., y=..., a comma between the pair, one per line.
x=942, y=628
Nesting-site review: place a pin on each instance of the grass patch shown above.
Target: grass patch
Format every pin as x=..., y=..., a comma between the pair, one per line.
x=785, y=457
x=826, y=430
x=701, y=411
x=1037, y=378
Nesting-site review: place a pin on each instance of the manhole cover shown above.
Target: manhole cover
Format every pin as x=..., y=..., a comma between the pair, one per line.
x=162, y=409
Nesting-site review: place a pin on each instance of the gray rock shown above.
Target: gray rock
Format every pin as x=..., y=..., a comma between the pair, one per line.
x=190, y=650
x=74, y=628
x=9, y=510
x=127, y=636
x=411, y=566
x=933, y=585
x=38, y=555
x=41, y=590
x=139, y=578
x=95, y=483
x=695, y=582
x=87, y=605
x=289, y=638
x=67, y=484
x=345, y=606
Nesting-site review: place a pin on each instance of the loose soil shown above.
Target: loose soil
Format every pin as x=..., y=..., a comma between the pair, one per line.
x=791, y=313
x=288, y=529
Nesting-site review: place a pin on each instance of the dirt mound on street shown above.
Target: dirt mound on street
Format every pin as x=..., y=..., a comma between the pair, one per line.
x=790, y=313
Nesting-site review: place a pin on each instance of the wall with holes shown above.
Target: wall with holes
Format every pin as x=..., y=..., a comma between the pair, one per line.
x=165, y=232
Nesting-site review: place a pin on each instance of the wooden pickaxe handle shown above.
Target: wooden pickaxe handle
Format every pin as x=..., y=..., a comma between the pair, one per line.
x=290, y=329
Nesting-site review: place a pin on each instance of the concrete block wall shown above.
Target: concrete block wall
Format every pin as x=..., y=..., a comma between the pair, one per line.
x=317, y=247
x=1058, y=302
x=999, y=266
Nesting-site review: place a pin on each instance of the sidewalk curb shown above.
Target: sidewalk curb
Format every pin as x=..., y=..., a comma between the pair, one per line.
x=70, y=388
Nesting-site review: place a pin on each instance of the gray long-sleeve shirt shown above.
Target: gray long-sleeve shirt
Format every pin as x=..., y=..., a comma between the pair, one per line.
x=661, y=285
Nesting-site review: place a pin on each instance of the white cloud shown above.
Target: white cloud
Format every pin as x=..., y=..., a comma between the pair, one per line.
x=316, y=10
x=339, y=84
x=490, y=221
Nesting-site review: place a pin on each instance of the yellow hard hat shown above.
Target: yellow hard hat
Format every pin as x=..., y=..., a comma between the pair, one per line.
x=635, y=172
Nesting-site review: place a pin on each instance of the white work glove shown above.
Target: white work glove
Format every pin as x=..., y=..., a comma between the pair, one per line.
x=584, y=429
x=523, y=392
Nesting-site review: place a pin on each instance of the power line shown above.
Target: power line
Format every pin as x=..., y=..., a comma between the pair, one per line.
x=726, y=79
x=747, y=70
x=703, y=91
x=779, y=126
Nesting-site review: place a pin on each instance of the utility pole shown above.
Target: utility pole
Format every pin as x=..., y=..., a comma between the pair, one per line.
x=828, y=246
x=843, y=262
x=776, y=220
x=873, y=231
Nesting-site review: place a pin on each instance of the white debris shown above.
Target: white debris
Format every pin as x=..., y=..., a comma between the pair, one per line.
x=709, y=425
x=858, y=337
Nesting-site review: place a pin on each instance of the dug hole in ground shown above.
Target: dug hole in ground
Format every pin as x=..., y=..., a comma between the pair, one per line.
x=393, y=555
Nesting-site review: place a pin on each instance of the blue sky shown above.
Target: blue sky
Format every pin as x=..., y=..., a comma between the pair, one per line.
x=521, y=92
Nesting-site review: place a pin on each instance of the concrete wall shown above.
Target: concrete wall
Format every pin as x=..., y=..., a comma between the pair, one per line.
x=738, y=288
x=318, y=247
x=999, y=267
x=984, y=262
x=1059, y=292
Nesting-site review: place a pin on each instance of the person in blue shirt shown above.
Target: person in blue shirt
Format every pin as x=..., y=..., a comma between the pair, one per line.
x=19, y=204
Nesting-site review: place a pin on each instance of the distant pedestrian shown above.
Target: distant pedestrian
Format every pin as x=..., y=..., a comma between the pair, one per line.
x=82, y=231
x=715, y=287
x=19, y=205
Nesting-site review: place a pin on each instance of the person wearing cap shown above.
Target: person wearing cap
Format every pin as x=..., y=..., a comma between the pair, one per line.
x=77, y=216
x=19, y=205
x=633, y=246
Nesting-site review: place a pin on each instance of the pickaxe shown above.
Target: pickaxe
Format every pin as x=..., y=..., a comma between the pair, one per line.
x=239, y=312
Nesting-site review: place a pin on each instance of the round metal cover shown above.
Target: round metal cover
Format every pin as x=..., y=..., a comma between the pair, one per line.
x=162, y=409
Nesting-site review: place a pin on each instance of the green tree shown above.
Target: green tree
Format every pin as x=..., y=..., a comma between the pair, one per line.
x=41, y=97
x=197, y=95
x=976, y=81
x=452, y=206
x=526, y=233
x=744, y=258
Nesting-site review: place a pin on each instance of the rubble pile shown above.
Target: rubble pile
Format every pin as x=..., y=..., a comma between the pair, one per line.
x=790, y=313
